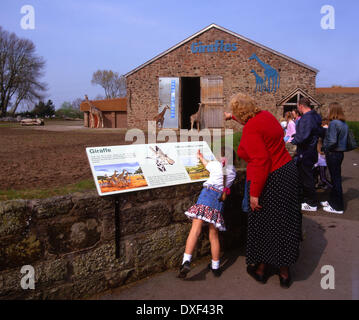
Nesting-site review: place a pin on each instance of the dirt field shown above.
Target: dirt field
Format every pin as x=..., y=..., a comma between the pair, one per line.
x=53, y=155
x=49, y=156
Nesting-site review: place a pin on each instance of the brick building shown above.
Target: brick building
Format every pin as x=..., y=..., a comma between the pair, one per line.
x=209, y=67
x=114, y=112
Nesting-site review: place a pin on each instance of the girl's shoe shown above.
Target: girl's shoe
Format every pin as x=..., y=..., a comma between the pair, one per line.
x=330, y=209
x=216, y=272
x=325, y=203
x=184, y=269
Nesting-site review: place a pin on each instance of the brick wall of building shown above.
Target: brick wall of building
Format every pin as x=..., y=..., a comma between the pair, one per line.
x=235, y=68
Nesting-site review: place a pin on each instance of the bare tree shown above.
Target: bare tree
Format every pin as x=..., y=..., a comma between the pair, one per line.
x=114, y=85
x=20, y=71
x=76, y=103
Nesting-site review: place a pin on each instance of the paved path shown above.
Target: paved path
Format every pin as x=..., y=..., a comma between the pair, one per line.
x=330, y=240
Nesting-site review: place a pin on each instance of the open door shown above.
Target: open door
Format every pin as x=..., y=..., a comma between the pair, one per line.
x=213, y=99
x=190, y=99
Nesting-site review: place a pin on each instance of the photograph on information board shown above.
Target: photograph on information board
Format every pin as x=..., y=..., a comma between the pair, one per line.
x=121, y=176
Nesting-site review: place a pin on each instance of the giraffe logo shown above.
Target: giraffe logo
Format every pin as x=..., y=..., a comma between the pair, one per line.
x=259, y=82
x=271, y=75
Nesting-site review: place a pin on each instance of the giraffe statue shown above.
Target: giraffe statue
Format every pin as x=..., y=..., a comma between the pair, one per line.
x=270, y=73
x=197, y=116
x=160, y=118
x=94, y=112
x=259, y=81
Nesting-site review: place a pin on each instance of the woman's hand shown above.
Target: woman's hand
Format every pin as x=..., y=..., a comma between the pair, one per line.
x=227, y=116
x=254, y=203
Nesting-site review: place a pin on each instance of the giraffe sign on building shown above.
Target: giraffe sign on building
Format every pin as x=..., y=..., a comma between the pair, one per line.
x=271, y=80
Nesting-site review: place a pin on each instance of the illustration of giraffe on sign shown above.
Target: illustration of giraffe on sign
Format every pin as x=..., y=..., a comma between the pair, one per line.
x=271, y=75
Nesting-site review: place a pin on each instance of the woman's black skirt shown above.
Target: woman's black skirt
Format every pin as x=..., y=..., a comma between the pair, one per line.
x=274, y=232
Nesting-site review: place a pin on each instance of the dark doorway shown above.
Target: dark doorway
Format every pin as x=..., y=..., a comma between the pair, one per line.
x=190, y=97
x=291, y=104
x=287, y=108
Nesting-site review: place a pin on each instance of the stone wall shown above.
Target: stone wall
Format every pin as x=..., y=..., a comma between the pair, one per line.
x=235, y=68
x=348, y=101
x=70, y=240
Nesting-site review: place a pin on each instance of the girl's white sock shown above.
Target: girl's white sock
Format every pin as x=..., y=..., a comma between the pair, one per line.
x=186, y=257
x=215, y=264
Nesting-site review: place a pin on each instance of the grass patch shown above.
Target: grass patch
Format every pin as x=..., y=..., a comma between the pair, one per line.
x=47, y=193
x=236, y=140
x=9, y=124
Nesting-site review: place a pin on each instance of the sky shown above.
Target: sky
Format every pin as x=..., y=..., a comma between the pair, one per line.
x=78, y=37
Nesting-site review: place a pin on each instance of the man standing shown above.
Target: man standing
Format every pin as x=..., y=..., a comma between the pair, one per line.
x=308, y=130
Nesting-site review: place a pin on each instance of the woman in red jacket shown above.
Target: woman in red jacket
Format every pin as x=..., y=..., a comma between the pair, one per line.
x=275, y=219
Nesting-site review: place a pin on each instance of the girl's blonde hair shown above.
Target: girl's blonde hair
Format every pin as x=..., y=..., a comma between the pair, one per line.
x=288, y=116
x=243, y=107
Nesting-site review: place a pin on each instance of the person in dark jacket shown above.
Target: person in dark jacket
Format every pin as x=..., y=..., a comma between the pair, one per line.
x=334, y=145
x=308, y=131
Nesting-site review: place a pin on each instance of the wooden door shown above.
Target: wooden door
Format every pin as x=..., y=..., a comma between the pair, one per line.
x=213, y=99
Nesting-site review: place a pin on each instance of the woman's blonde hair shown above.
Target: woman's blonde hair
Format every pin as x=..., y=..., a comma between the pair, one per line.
x=336, y=112
x=243, y=107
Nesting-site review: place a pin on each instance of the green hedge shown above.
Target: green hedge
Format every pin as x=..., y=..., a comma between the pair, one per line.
x=354, y=126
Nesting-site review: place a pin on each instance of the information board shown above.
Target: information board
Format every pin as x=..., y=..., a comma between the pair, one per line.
x=118, y=169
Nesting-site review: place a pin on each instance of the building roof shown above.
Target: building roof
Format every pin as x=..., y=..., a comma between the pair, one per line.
x=295, y=92
x=338, y=90
x=116, y=104
x=213, y=25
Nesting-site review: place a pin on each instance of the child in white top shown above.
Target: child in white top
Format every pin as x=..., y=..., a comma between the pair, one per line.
x=221, y=175
x=209, y=209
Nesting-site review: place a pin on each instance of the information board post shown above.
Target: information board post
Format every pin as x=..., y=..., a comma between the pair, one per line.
x=117, y=226
x=128, y=168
